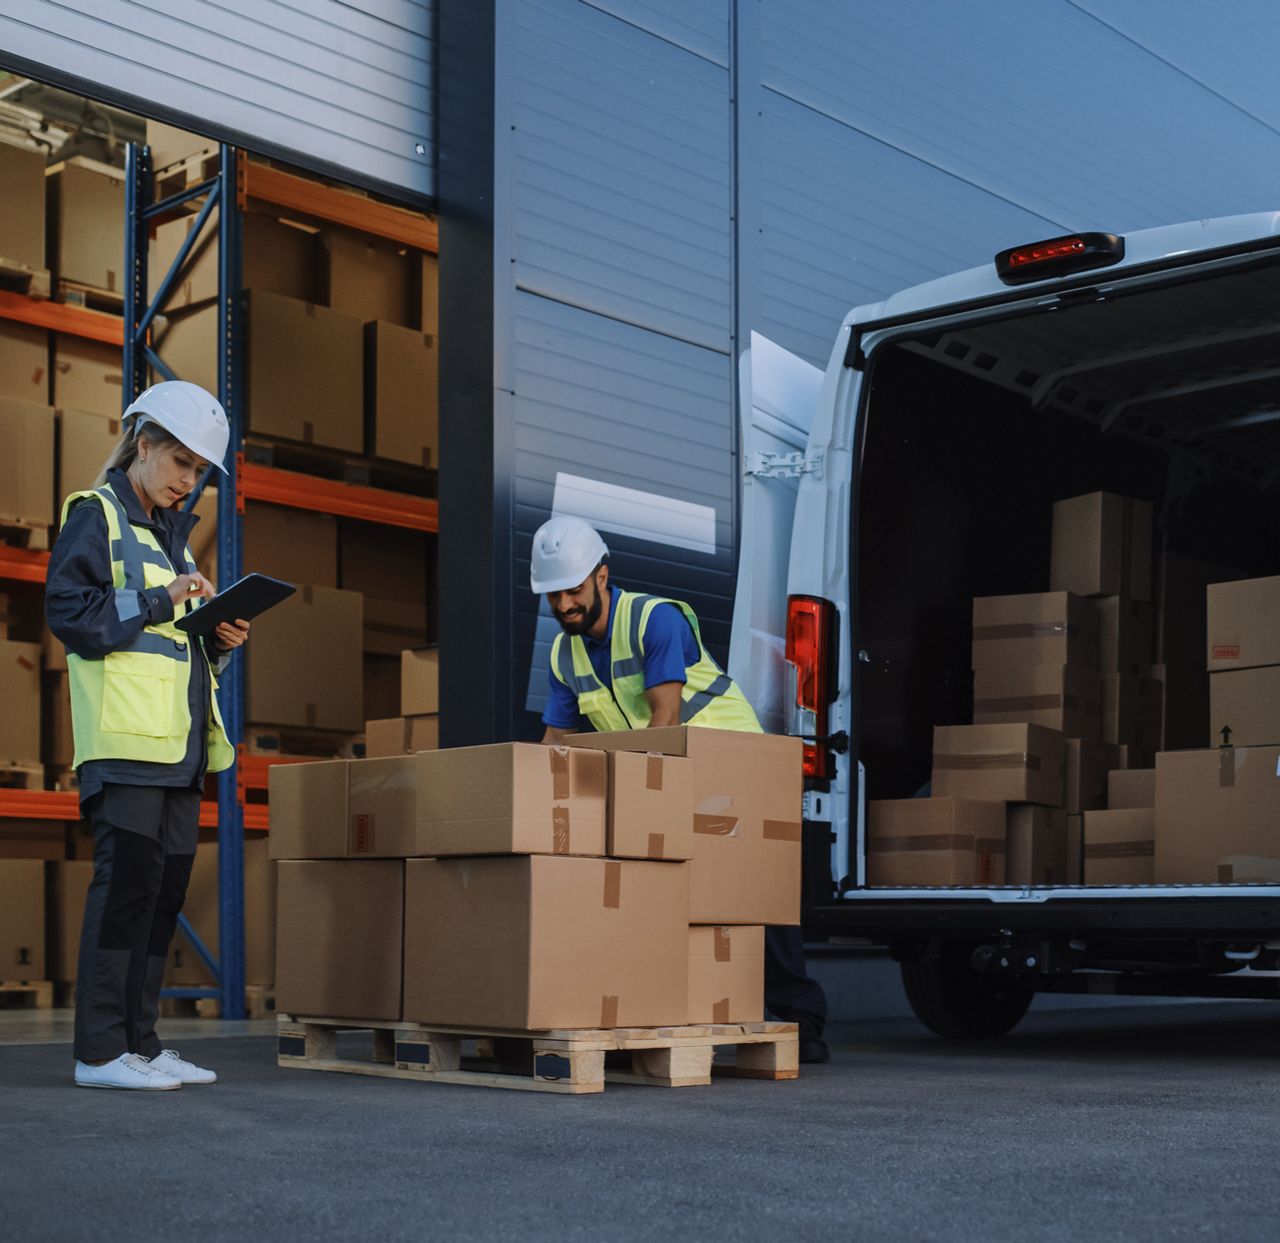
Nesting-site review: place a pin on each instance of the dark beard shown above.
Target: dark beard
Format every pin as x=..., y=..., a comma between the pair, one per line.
x=589, y=618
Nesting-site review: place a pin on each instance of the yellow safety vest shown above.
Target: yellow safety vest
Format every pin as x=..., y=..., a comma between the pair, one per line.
x=132, y=704
x=710, y=696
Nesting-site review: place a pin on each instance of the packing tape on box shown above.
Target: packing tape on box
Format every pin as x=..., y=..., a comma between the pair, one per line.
x=783, y=830
x=1024, y=630
x=608, y=1011
x=559, y=830
x=612, y=884
x=720, y=1010
x=653, y=772
x=723, y=942
x=713, y=816
x=1000, y=759
x=1027, y=703
x=922, y=841
x=1141, y=848
x=1248, y=869
x=657, y=843
x=559, y=757
x=1226, y=768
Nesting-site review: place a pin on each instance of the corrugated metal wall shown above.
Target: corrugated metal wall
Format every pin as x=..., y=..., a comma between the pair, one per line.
x=343, y=86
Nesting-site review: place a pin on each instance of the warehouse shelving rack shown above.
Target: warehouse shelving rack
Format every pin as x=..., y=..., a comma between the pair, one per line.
x=236, y=182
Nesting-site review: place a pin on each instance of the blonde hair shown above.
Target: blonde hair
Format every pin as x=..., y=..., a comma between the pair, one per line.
x=126, y=450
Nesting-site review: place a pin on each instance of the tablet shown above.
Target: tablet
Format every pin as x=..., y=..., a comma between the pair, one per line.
x=253, y=594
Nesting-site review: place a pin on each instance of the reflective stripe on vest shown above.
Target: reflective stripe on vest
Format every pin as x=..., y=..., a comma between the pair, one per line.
x=709, y=696
x=132, y=703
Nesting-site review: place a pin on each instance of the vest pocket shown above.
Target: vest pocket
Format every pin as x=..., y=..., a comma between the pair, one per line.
x=137, y=694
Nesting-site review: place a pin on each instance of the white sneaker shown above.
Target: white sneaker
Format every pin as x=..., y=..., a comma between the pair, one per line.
x=129, y=1070
x=170, y=1063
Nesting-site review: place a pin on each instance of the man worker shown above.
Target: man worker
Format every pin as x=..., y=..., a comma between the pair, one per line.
x=625, y=660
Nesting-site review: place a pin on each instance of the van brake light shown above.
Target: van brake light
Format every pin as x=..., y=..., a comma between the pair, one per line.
x=1059, y=256
x=811, y=649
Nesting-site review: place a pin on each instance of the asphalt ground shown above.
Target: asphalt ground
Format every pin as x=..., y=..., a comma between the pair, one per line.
x=1090, y=1122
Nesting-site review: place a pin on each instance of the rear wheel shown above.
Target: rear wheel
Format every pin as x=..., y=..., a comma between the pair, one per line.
x=953, y=1000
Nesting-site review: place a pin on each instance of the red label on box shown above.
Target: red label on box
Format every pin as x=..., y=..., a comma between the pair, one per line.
x=1226, y=651
x=361, y=834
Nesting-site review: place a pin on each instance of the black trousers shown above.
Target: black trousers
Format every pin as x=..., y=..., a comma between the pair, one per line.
x=790, y=993
x=144, y=844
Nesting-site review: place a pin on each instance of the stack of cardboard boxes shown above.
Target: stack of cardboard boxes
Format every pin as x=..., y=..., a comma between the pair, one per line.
x=620, y=881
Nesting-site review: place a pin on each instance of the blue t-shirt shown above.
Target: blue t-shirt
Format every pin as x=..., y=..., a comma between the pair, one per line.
x=669, y=649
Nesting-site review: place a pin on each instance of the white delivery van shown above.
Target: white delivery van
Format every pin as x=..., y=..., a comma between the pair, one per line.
x=919, y=471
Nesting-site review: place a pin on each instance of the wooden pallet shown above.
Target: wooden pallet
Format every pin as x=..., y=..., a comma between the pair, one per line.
x=174, y=178
x=571, y=1061
x=259, y=1003
x=73, y=293
x=64, y=780
x=340, y=465
x=34, y=537
x=297, y=742
x=24, y=279
x=35, y=994
x=22, y=776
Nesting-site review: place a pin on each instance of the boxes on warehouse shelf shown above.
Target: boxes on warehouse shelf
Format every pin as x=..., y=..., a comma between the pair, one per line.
x=1075, y=850
x=293, y=544
x=22, y=211
x=304, y=663
x=1051, y=628
x=1119, y=846
x=401, y=735
x=187, y=341
x=185, y=966
x=1182, y=584
x=1087, y=766
x=1244, y=707
x=1184, y=706
x=24, y=360
x=1131, y=788
x=86, y=224
x=1242, y=633
x=726, y=974
x=747, y=792
x=1058, y=697
x=1125, y=631
x=1007, y=763
x=388, y=566
x=85, y=440
x=1035, y=845
x=426, y=293
x=339, y=938
x=538, y=942
x=420, y=681
x=935, y=841
x=88, y=375
x=30, y=839
x=650, y=806
x=67, y=888
x=57, y=744
x=20, y=694
x=401, y=385
x=1102, y=546
x=53, y=654
x=22, y=924
x=367, y=277
x=1211, y=805
x=381, y=686
x=304, y=374
x=1131, y=713
x=171, y=145
x=26, y=465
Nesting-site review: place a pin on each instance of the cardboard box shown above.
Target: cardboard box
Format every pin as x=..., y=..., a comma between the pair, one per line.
x=1184, y=706
x=381, y=685
x=86, y=224
x=1181, y=626
x=747, y=791
x=726, y=974
x=1212, y=805
x=426, y=292
x=89, y=376
x=506, y=798
x=304, y=662
x=22, y=928
x=185, y=966
x=1075, y=850
x=1244, y=707
x=68, y=888
x=1125, y=635
x=388, y=567
x=1102, y=546
x=1087, y=766
x=20, y=694
x=1052, y=628
x=367, y=277
x=31, y=839
x=188, y=342
x=580, y=942
x=304, y=374
x=1129, y=789
x=1241, y=624
x=24, y=358
x=401, y=394
x=420, y=681
x=52, y=653
x=391, y=627
x=293, y=544
x=309, y=810
x=1248, y=870
x=1119, y=847
x=1004, y=763
x=339, y=938
x=650, y=806
x=1035, y=845
x=85, y=441
x=1056, y=696
x=1131, y=714
x=401, y=735
x=22, y=220
x=26, y=465
x=171, y=145
x=57, y=748
x=935, y=841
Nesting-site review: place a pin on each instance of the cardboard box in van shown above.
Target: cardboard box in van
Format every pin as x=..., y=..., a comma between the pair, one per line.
x=1126, y=631
x=1087, y=766
x=1119, y=846
x=1131, y=709
x=1102, y=546
x=935, y=841
x=1131, y=788
x=1244, y=707
x=1005, y=763
x=1035, y=845
x=1242, y=624
x=1056, y=696
x=1050, y=628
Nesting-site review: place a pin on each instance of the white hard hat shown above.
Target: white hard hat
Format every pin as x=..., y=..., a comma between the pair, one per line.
x=565, y=551
x=186, y=411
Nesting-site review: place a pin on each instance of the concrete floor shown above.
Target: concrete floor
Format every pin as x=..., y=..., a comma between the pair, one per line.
x=1152, y=1122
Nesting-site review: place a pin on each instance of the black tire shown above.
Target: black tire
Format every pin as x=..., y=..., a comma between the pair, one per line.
x=953, y=1000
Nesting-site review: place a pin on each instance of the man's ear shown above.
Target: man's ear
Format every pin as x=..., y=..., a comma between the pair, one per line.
x=602, y=576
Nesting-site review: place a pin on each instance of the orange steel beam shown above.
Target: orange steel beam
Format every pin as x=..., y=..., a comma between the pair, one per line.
x=345, y=500
x=23, y=564
x=40, y=804
x=76, y=320
x=273, y=185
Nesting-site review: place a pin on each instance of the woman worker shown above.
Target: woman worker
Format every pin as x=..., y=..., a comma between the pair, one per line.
x=145, y=720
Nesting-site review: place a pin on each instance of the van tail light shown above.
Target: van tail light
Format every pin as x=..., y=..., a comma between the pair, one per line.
x=1059, y=256
x=811, y=649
